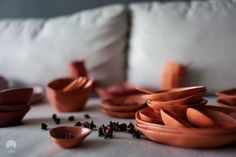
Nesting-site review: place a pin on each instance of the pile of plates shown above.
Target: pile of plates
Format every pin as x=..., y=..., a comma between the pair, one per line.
x=14, y=104
x=227, y=98
x=121, y=101
x=184, y=120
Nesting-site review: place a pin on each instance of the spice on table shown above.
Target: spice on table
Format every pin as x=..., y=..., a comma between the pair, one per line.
x=71, y=118
x=130, y=128
x=44, y=126
x=87, y=116
x=122, y=127
x=136, y=134
x=86, y=124
x=92, y=126
x=109, y=132
x=54, y=116
x=100, y=132
x=78, y=124
x=56, y=119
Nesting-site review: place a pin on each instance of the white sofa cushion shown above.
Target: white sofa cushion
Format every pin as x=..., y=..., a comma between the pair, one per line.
x=35, y=51
x=201, y=31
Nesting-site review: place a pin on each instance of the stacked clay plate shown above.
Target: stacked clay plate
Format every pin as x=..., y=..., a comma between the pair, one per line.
x=14, y=104
x=227, y=98
x=185, y=120
x=121, y=101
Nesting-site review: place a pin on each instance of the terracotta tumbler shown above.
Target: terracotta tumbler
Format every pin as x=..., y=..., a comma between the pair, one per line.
x=172, y=76
x=77, y=69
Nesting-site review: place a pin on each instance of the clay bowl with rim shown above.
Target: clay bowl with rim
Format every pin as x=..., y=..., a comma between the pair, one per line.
x=11, y=118
x=69, y=101
x=8, y=108
x=196, y=98
x=149, y=115
x=69, y=136
x=176, y=93
x=161, y=127
x=116, y=91
x=15, y=96
x=126, y=103
x=177, y=109
x=116, y=114
x=209, y=118
x=188, y=140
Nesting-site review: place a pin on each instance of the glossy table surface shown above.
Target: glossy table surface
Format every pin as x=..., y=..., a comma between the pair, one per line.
x=30, y=140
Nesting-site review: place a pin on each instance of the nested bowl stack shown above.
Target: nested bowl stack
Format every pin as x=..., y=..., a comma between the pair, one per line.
x=227, y=98
x=14, y=104
x=185, y=120
x=69, y=95
x=121, y=101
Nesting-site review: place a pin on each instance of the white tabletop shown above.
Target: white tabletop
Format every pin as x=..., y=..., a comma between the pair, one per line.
x=32, y=141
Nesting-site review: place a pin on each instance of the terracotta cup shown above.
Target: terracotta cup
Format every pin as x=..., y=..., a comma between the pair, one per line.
x=77, y=69
x=70, y=101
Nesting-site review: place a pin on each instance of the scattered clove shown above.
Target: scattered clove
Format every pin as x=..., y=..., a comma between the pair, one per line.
x=78, y=124
x=87, y=116
x=71, y=118
x=44, y=126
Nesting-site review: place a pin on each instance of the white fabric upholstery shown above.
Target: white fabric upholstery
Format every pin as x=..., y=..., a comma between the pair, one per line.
x=35, y=51
x=201, y=31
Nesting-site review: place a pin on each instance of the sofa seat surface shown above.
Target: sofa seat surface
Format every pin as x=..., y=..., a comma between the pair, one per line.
x=32, y=141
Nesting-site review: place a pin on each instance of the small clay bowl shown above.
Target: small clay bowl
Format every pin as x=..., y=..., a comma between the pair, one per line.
x=9, y=108
x=70, y=101
x=209, y=118
x=172, y=119
x=11, y=118
x=196, y=98
x=188, y=140
x=15, y=96
x=149, y=115
x=116, y=114
x=177, y=109
x=176, y=93
x=68, y=136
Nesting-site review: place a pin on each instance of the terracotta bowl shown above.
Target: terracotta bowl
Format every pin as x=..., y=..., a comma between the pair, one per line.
x=68, y=136
x=15, y=96
x=188, y=140
x=176, y=93
x=196, y=98
x=116, y=92
x=11, y=118
x=70, y=101
x=177, y=109
x=9, y=108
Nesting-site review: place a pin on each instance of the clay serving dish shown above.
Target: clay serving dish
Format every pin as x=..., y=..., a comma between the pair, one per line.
x=188, y=140
x=161, y=127
x=210, y=118
x=176, y=93
x=68, y=101
x=68, y=136
x=15, y=96
x=116, y=114
x=12, y=117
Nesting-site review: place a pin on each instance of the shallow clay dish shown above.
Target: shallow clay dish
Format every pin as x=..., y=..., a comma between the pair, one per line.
x=132, y=107
x=70, y=101
x=11, y=118
x=15, y=96
x=176, y=93
x=177, y=109
x=209, y=118
x=196, y=98
x=69, y=136
x=127, y=114
x=8, y=108
x=160, y=127
x=149, y=115
x=188, y=140
x=172, y=119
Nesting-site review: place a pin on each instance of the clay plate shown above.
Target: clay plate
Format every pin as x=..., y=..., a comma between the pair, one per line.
x=119, y=114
